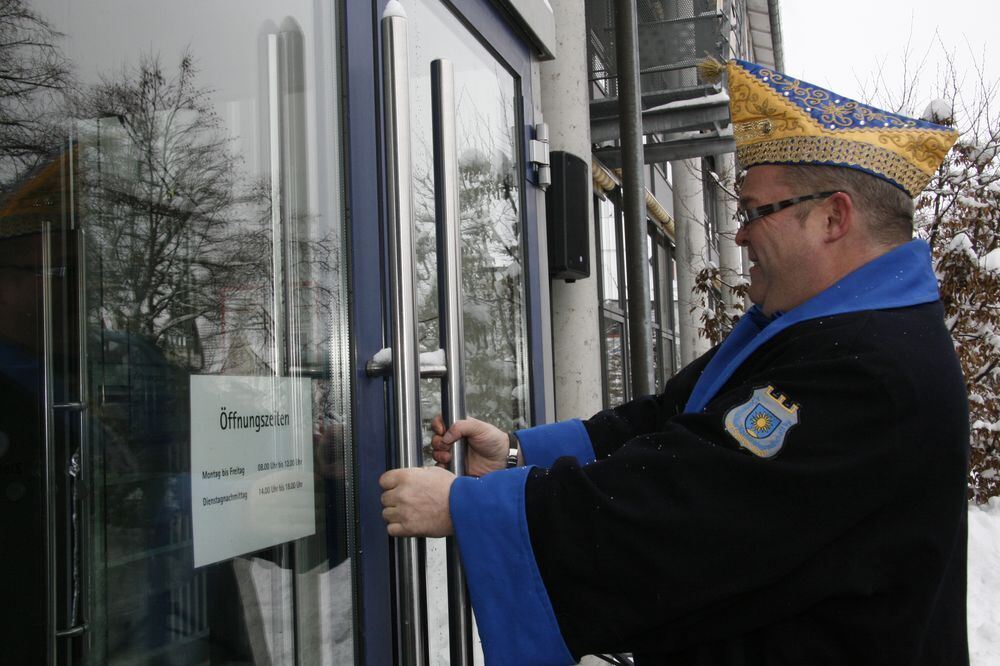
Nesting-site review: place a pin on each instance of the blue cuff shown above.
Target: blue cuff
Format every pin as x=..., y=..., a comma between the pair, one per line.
x=516, y=622
x=544, y=444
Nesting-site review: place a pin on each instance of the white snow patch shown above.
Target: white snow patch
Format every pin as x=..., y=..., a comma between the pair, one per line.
x=435, y=357
x=429, y=360
x=970, y=202
x=717, y=98
x=991, y=261
x=962, y=243
x=984, y=583
x=938, y=111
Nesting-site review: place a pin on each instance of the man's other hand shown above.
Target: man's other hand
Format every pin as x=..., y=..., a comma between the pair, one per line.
x=415, y=501
x=486, y=449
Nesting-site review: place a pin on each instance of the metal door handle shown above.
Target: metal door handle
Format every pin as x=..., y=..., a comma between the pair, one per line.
x=77, y=470
x=410, y=574
x=449, y=236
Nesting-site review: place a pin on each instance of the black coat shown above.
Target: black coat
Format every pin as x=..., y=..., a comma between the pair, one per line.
x=847, y=547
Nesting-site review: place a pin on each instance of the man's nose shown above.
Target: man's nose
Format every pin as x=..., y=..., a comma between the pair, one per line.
x=741, y=236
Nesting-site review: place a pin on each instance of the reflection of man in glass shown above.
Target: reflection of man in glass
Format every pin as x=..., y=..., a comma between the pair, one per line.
x=22, y=522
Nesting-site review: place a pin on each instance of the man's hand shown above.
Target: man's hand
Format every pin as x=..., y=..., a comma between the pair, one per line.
x=487, y=445
x=415, y=501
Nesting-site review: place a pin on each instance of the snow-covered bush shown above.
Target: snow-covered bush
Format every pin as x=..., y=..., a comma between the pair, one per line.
x=959, y=215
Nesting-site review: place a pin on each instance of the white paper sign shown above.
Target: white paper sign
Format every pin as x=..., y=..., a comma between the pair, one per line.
x=251, y=464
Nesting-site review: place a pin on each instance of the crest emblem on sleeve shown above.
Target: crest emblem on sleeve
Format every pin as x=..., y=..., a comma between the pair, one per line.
x=761, y=423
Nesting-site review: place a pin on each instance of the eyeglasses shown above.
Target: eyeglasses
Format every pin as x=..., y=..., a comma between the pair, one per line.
x=746, y=216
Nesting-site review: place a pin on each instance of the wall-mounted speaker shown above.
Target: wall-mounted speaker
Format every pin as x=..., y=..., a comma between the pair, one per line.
x=566, y=217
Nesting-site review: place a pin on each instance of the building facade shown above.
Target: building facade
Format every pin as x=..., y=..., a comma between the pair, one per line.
x=250, y=249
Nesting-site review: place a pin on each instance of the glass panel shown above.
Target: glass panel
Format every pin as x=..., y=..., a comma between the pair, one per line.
x=192, y=150
x=614, y=362
x=657, y=366
x=664, y=289
x=612, y=292
x=653, y=267
x=488, y=134
x=675, y=310
x=489, y=168
x=669, y=365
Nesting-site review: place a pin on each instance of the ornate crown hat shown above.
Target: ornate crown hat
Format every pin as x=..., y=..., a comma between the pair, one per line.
x=781, y=120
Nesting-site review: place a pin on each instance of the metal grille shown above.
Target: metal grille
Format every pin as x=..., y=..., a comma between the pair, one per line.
x=673, y=37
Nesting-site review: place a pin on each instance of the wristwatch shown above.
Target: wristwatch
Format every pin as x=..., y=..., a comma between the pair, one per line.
x=514, y=445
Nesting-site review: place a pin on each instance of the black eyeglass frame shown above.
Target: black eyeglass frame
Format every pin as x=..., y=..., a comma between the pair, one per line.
x=746, y=216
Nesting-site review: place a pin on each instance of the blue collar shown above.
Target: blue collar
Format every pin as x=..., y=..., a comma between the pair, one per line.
x=899, y=278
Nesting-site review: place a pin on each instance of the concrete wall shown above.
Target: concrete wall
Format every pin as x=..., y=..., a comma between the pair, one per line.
x=689, y=225
x=576, y=348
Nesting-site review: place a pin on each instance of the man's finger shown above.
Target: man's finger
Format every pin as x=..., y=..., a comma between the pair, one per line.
x=460, y=429
x=390, y=479
x=443, y=457
x=437, y=425
x=389, y=498
x=396, y=530
x=391, y=515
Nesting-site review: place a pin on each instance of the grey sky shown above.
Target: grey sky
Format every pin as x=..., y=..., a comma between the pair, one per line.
x=843, y=45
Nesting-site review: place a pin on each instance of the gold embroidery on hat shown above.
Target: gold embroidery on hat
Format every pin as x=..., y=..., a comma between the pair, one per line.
x=922, y=147
x=755, y=129
x=834, y=151
x=841, y=113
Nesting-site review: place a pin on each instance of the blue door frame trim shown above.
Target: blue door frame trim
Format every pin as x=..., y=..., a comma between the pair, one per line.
x=364, y=223
x=369, y=324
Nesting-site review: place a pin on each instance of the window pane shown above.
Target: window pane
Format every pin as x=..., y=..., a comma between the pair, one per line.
x=195, y=153
x=614, y=362
x=657, y=365
x=489, y=174
x=651, y=272
x=670, y=364
x=609, y=254
x=665, y=291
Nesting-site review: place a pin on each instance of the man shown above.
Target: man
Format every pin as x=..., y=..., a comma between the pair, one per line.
x=794, y=496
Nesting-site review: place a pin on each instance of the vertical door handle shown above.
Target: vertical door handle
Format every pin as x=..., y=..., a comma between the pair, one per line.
x=50, y=469
x=274, y=131
x=410, y=574
x=449, y=236
x=69, y=610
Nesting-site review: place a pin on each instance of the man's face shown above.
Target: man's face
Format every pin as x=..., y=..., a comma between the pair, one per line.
x=781, y=247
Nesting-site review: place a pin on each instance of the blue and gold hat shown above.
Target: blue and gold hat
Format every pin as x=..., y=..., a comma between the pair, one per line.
x=781, y=120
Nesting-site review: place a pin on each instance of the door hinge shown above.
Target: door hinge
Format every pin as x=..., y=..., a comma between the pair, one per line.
x=538, y=155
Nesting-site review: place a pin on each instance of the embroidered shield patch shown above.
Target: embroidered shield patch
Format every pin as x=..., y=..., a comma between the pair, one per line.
x=761, y=423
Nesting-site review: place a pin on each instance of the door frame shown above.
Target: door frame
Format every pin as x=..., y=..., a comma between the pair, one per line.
x=366, y=229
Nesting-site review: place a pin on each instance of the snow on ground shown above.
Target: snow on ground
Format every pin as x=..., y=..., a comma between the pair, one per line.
x=984, y=583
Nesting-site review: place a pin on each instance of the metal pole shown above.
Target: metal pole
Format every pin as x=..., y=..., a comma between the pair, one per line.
x=634, y=198
x=410, y=582
x=777, y=44
x=450, y=293
x=49, y=471
x=278, y=358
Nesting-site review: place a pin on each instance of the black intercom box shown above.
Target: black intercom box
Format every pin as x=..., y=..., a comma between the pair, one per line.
x=566, y=217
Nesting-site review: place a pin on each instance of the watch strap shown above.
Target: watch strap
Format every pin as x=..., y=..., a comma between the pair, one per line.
x=513, y=446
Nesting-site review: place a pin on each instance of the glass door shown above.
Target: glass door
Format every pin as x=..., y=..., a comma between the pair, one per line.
x=488, y=133
x=177, y=447
x=486, y=113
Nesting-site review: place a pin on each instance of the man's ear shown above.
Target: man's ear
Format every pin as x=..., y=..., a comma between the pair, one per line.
x=841, y=216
